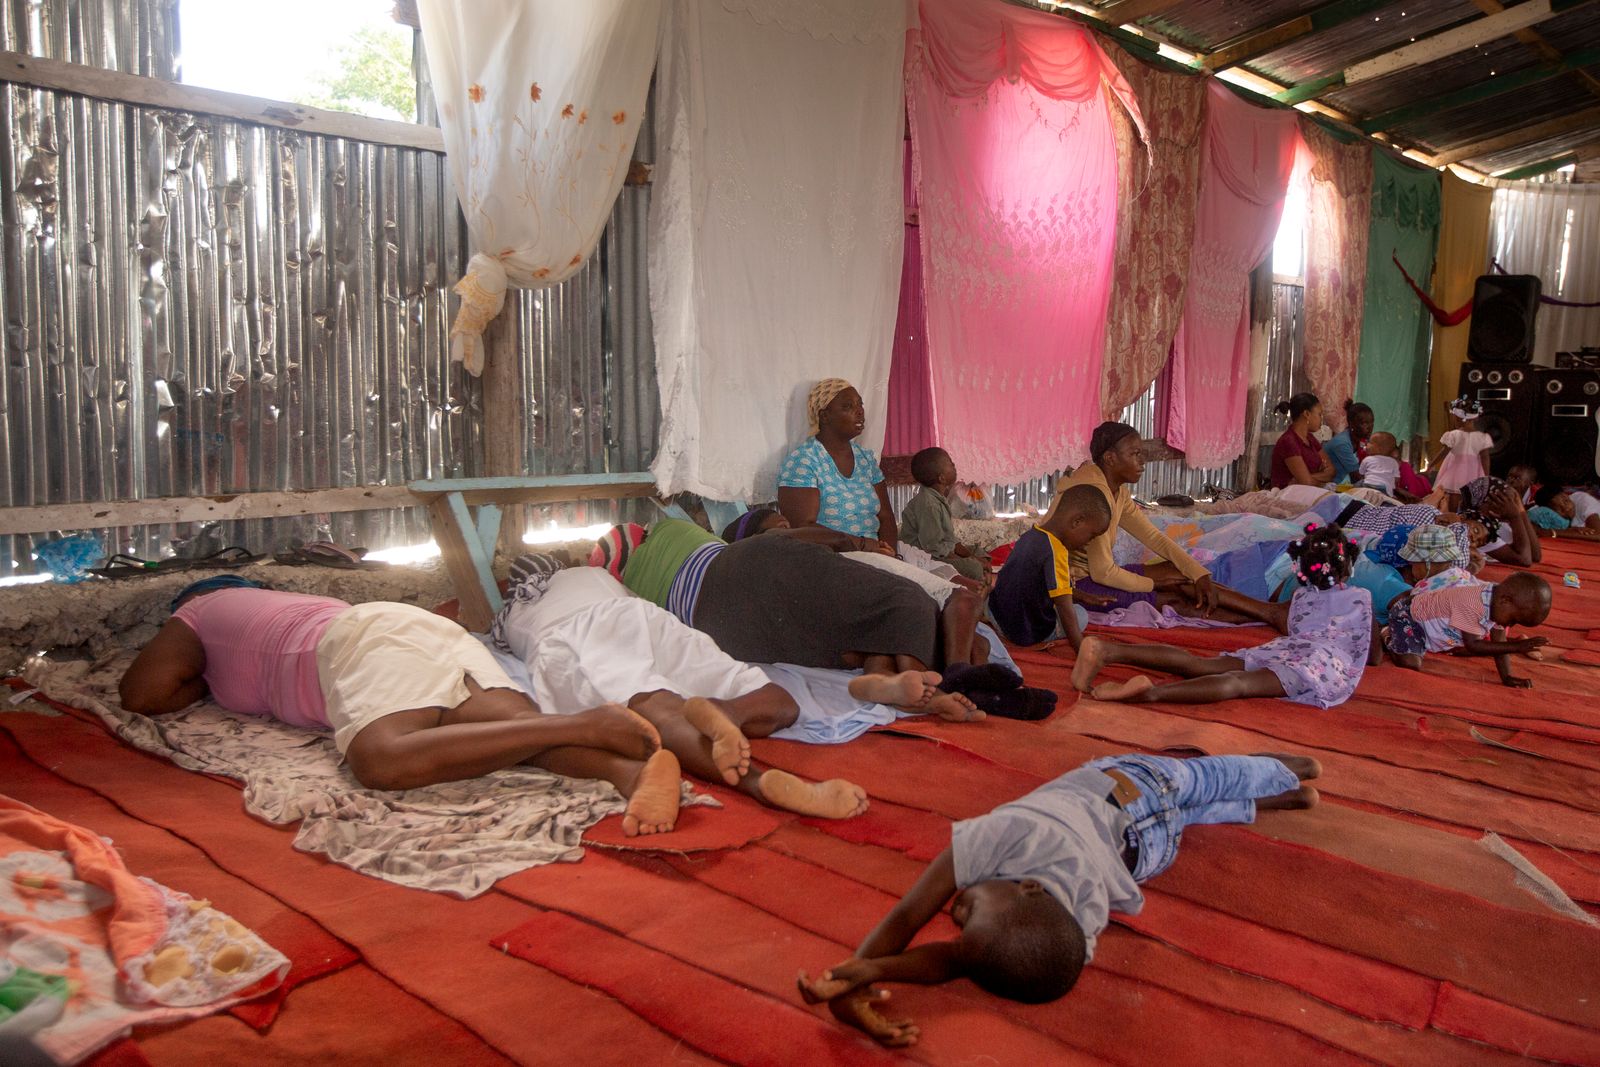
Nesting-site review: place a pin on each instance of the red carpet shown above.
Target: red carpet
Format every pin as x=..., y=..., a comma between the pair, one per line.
x=1373, y=929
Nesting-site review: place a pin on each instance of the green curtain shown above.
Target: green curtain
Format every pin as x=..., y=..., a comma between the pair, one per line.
x=1396, y=330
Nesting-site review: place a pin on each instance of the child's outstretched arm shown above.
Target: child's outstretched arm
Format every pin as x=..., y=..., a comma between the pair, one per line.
x=883, y=957
x=1502, y=651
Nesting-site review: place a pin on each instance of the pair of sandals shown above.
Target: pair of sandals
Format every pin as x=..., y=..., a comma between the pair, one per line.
x=122, y=565
x=326, y=554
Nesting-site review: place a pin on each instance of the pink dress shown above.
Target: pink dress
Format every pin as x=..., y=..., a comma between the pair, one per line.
x=1463, y=464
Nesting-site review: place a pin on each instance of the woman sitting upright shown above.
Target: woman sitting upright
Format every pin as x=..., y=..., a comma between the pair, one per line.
x=829, y=480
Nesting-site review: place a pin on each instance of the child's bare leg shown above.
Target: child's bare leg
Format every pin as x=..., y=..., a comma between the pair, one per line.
x=1411, y=661
x=1097, y=653
x=1293, y=800
x=958, y=625
x=1236, y=684
x=1232, y=605
x=651, y=786
x=1303, y=767
x=762, y=712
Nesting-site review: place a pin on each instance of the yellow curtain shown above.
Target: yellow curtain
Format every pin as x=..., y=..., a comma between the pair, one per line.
x=1463, y=255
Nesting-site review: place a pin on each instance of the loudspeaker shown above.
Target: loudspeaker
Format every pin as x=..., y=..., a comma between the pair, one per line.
x=1508, y=396
x=1503, y=310
x=1565, y=428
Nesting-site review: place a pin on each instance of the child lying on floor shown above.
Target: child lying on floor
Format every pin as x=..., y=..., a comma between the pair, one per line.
x=1454, y=612
x=1034, y=880
x=1331, y=639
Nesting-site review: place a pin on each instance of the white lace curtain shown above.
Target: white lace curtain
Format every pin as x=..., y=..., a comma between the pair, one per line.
x=775, y=227
x=540, y=102
x=1552, y=230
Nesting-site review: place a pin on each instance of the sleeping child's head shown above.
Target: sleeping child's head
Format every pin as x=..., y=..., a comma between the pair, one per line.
x=1557, y=500
x=1324, y=557
x=1521, y=600
x=934, y=468
x=1383, y=443
x=1017, y=941
x=752, y=522
x=1078, y=516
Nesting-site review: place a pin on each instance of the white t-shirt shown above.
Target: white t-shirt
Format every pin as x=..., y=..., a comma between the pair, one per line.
x=1381, y=472
x=1583, y=506
x=1466, y=442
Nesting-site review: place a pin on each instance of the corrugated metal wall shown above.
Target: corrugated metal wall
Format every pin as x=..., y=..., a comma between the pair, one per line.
x=199, y=306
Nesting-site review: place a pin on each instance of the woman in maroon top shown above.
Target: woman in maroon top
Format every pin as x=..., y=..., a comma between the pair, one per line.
x=1298, y=458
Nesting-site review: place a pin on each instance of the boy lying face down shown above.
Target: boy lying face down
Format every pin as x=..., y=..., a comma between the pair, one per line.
x=1034, y=880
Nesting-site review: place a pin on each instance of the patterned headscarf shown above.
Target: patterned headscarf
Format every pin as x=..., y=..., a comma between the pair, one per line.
x=822, y=394
x=615, y=546
x=530, y=580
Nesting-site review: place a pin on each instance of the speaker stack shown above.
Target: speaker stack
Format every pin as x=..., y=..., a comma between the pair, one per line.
x=1544, y=416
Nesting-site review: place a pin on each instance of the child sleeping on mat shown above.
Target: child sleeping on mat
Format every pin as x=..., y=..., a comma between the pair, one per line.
x=1034, y=881
x=1330, y=640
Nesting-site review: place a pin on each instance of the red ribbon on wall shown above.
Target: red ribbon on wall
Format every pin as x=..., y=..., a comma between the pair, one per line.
x=1440, y=315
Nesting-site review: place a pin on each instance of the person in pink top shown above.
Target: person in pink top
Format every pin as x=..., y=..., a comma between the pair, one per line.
x=411, y=697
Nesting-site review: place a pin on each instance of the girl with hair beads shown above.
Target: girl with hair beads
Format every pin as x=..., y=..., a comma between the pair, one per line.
x=1465, y=445
x=1331, y=639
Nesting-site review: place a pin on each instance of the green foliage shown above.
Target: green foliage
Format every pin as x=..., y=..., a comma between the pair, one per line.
x=371, y=76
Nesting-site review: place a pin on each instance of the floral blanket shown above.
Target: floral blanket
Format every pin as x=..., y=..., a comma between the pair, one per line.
x=458, y=838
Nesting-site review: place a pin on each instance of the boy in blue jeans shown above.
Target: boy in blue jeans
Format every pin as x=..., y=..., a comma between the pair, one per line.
x=1035, y=880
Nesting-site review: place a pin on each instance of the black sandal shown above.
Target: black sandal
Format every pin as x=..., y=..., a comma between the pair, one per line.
x=326, y=554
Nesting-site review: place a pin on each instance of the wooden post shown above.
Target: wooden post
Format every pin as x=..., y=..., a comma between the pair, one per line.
x=1260, y=350
x=505, y=414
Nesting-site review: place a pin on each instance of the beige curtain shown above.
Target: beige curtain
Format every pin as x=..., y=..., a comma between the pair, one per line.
x=1463, y=255
x=1338, y=212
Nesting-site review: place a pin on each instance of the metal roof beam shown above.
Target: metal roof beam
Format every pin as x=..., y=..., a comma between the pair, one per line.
x=1472, y=94
x=1251, y=45
x=1448, y=43
x=1533, y=170
x=1134, y=10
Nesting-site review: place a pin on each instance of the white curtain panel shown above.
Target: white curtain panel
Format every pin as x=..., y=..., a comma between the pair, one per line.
x=775, y=227
x=1552, y=230
x=540, y=102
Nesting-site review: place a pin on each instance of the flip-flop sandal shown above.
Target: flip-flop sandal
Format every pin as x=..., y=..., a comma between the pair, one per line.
x=232, y=556
x=326, y=554
x=122, y=565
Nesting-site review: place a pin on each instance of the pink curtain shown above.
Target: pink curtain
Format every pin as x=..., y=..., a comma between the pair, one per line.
x=1016, y=169
x=1338, y=214
x=1248, y=154
x=910, y=409
x=1155, y=233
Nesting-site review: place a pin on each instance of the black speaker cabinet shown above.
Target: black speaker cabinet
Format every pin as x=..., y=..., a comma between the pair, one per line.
x=1508, y=396
x=1503, y=310
x=1565, y=431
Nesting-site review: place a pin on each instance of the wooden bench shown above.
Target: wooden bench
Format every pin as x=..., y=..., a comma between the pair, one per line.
x=467, y=540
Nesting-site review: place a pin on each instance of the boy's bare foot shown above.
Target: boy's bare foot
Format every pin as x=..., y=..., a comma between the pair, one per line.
x=954, y=707
x=730, y=749
x=653, y=807
x=1294, y=799
x=1091, y=657
x=908, y=690
x=1304, y=767
x=620, y=730
x=1115, y=691
x=833, y=799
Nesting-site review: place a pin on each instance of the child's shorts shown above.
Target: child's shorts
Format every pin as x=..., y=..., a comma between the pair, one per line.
x=1406, y=636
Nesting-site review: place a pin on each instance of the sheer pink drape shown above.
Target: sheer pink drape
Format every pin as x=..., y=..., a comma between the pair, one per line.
x=1016, y=169
x=1248, y=156
x=910, y=414
x=1338, y=215
x=1155, y=230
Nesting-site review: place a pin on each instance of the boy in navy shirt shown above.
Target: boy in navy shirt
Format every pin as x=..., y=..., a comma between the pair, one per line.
x=1032, y=600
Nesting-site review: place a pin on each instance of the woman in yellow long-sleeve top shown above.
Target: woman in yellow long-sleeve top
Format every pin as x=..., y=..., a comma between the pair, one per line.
x=1117, y=462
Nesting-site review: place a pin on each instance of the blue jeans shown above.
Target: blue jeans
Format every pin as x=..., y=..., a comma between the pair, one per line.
x=1205, y=790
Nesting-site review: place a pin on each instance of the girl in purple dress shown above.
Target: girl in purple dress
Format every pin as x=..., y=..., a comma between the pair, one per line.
x=1331, y=639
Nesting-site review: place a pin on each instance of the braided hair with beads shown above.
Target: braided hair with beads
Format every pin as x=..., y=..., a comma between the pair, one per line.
x=1324, y=557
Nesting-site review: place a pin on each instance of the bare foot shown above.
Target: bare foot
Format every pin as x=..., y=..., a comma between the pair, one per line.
x=908, y=690
x=1115, y=691
x=620, y=730
x=730, y=749
x=1091, y=657
x=1304, y=767
x=954, y=707
x=833, y=799
x=1294, y=799
x=653, y=807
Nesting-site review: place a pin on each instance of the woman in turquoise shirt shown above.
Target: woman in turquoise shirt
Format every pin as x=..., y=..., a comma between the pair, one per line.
x=1344, y=448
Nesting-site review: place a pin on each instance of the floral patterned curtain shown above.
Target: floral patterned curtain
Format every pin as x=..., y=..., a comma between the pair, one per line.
x=1155, y=230
x=540, y=103
x=1396, y=330
x=1338, y=217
